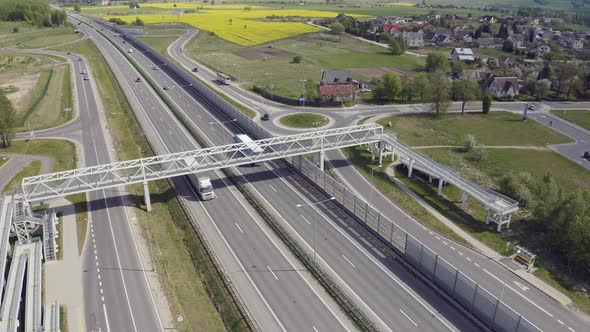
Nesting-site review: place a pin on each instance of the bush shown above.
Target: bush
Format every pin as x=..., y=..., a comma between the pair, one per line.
x=15, y=29
x=297, y=59
x=117, y=21
x=486, y=103
x=138, y=21
x=480, y=153
x=336, y=28
x=469, y=142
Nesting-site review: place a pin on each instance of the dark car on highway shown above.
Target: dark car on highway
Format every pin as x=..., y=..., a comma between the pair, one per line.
x=265, y=117
x=587, y=155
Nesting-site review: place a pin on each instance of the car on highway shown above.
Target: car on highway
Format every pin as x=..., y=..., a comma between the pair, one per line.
x=69, y=53
x=138, y=79
x=165, y=87
x=195, y=70
x=82, y=73
x=265, y=117
x=79, y=59
x=587, y=155
x=531, y=107
x=155, y=68
x=124, y=42
x=86, y=78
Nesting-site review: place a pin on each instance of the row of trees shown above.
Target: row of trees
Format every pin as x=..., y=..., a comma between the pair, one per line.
x=36, y=12
x=7, y=120
x=434, y=87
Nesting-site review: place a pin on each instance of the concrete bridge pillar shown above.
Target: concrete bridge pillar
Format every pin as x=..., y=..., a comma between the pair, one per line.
x=322, y=156
x=381, y=146
x=441, y=182
x=463, y=200
x=146, y=193
x=410, y=167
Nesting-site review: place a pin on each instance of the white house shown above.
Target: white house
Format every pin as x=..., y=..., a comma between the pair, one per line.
x=462, y=54
x=503, y=87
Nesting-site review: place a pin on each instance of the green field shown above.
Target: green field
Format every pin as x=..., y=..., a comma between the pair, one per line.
x=318, y=54
x=579, y=117
x=32, y=37
x=3, y=160
x=160, y=44
x=175, y=249
x=495, y=128
x=304, y=120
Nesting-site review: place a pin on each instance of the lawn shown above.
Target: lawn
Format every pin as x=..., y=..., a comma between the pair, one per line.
x=319, y=53
x=30, y=170
x=304, y=120
x=33, y=37
x=186, y=282
x=3, y=160
x=63, y=153
x=579, y=117
x=495, y=128
x=160, y=44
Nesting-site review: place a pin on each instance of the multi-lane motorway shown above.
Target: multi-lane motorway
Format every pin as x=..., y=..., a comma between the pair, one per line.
x=278, y=293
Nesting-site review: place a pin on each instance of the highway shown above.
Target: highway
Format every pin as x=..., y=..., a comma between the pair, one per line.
x=544, y=311
x=274, y=286
x=391, y=286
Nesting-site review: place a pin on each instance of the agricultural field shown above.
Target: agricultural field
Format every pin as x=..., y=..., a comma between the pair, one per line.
x=240, y=26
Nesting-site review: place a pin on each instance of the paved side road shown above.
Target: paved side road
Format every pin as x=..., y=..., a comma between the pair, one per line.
x=19, y=161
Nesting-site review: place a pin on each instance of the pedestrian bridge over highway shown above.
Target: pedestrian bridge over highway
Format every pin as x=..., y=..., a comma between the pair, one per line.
x=48, y=186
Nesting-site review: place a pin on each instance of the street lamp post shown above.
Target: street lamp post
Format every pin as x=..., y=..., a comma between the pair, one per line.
x=315, y=225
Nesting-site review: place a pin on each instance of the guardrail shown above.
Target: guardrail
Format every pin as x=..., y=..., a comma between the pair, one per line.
x=475, y=299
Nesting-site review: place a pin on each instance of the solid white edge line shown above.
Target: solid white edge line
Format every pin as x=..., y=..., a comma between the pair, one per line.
x=408, y=317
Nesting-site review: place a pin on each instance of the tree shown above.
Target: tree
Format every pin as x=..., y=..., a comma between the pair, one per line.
x=311, y=89
x=545, y=73
x=564, y=77
x=421, y=86
x=15, y=29
x=486, y=103
x=408, y=90
x=390, y=87
x=77, y=7
x=297, y=59
x=507, y=46
x=503, y=32
x=395, y=47
x=457, y=67
x=439, y=91
x=336, y=28
x=7, y=120
x=436, y=61
x=469, y=142
x=384, y=37
x=465, y=90
x=138, y=21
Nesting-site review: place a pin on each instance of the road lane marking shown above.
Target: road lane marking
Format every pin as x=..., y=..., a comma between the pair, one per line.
x=438, y=238
x=106, y=317
x=445, y=243
x=408, y=317
x=467, y=258
x=517, y=292
x=476, y=264
x=452, y=247
x=569, y=328
x=316, y=330
x=521, y=286
x=307, y=221
x=560, y=322
x=273, y=274
x=238, y=226
x=460, y=253
x=273, y=188
x=349, y=262
x=429, y=232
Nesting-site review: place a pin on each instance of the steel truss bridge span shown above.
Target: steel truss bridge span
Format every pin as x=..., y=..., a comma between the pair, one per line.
x=48, y=186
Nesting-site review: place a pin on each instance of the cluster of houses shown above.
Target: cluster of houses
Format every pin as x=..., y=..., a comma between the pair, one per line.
x=528, y=36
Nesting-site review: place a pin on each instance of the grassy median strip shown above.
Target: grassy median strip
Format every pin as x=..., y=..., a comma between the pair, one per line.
x=579, y=117
x=304, y=120
x=188, y=277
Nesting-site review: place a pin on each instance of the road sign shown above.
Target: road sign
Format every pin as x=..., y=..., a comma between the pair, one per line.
x=302, y=99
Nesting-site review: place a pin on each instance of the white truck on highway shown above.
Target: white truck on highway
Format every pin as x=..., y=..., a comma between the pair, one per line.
x=223, y=79
x=251, y=147
x=130, y=50
x=202, y=184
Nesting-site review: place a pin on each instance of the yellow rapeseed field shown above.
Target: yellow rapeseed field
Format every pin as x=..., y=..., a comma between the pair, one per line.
x=240, y=26
x=183, y=5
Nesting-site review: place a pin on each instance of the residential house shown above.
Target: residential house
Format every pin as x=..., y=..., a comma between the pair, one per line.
x=487, y=43
x=502, y=62
x=463, y=37
x=337, y=77
x=338, y=92
x=539, y=49
x=502, y=87
x=518, y=40
x=414, y=39
x=572, y=42
x=444, y=40
x=433, y=15
x=452, y=17
x=488, y=19
x=462, y=54
x=460, y=27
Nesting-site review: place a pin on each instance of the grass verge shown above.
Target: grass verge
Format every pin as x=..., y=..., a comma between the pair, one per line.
x=3, y=160
x=579, y=117
x=362, y=160
x=188, y=277
x=495, y=128
x=31, y=169
x=63, y=318
x=304, y=120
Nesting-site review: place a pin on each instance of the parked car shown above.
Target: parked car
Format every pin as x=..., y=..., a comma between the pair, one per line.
x=531, y=107
x=587, y=155
x=265, y=117
x=195, y=70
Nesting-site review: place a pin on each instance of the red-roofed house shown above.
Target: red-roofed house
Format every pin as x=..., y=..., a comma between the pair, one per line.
x=338, y=92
